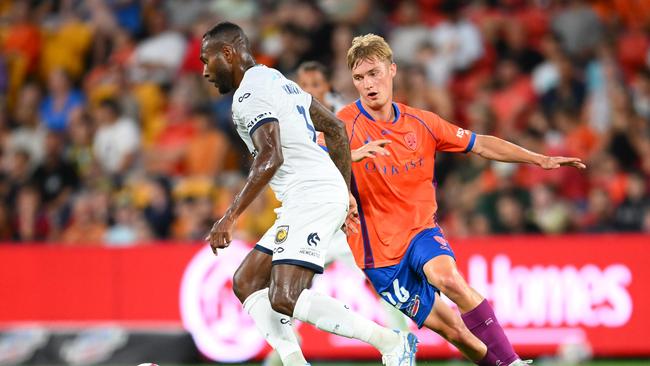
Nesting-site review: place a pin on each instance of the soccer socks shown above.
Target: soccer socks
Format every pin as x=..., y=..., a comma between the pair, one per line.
x=482, y=322
x=275, y=327
x=331, y=315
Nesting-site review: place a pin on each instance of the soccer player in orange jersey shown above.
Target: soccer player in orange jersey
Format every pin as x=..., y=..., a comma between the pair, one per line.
x=399, y=244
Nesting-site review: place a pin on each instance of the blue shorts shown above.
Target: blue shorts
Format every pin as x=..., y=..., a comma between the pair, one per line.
x=404, y=285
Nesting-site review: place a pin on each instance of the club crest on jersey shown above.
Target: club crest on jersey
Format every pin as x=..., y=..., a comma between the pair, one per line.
x=413, y=307
x=281, y=234
x=411, y=140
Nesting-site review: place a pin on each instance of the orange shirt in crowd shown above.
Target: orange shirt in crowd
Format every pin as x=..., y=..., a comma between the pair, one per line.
x=396, y=194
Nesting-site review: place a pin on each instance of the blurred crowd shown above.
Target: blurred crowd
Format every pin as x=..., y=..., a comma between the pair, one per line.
x=110, y=135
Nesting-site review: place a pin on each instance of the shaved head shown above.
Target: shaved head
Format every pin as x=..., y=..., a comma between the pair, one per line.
x=227, y=33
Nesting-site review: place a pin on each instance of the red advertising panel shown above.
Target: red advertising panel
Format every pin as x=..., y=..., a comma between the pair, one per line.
x=546, y=291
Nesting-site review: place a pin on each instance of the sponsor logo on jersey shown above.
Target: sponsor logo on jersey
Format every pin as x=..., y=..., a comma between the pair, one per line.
x=257, y=118
x=313, y=239
x=406, y=167
x=413, y=307
x=310, y=252
x=444, y=244
x=411, y=140
x=243, y=96
x=281, y=234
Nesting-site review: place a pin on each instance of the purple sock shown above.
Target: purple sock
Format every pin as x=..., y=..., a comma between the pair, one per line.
x=482, y=322
x=490, y=359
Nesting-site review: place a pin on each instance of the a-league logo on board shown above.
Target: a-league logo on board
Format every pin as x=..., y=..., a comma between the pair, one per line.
x=281, y=234
x=411, y=140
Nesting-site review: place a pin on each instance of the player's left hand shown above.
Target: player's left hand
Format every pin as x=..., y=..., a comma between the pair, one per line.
x=352, y=220
x=220, y=235
x=554, y=162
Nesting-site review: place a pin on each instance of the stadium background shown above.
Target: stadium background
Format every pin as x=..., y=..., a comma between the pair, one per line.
x=116, y=157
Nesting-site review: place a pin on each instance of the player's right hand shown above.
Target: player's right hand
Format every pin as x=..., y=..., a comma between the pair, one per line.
x=370, y=150
x=220, y=235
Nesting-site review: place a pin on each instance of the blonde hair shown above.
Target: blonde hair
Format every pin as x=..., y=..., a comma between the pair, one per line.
x=367, y=47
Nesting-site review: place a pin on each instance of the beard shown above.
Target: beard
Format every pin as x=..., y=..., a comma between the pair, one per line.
x=224, y=81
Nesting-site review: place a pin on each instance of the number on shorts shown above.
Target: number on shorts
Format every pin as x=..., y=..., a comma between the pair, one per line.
x=401, y=294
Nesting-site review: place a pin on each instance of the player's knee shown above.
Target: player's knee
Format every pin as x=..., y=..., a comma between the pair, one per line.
x=281, y=300
x=451, y=284
x=243, y=285
x=239, y=287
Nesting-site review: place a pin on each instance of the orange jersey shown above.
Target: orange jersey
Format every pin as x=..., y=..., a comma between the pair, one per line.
x=396, y=194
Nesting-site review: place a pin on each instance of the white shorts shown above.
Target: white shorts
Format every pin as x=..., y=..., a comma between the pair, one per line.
x=302, y=235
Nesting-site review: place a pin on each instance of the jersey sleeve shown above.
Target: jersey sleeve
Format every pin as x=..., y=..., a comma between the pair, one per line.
x=253, y=108
x=450, y=137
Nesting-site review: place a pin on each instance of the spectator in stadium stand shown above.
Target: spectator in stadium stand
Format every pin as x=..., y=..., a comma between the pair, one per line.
x=116, y=141
x=206, y=151
x=55, y=178
x=79, y=150
x=62, y=99
x=551, y=214
x=629, y=215
x=569, y=93
x=599, y=215
x=159, y=209
x=314, y=78
x=159, y=56
x=21, y=46
x=641, y=92
x=18, y=174
x=409, y=32
x=28, y=133
x=30, y=222
x=6, y=231
x=456, y=38
x=546, y=75
x=128, y=226
x=86, y=226
x=512, y=218
x=579, y=28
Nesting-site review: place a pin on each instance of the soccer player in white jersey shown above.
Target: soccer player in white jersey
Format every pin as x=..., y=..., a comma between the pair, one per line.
x=278, y=122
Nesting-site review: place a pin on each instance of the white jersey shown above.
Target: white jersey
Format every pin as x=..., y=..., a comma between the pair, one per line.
x=307, y=174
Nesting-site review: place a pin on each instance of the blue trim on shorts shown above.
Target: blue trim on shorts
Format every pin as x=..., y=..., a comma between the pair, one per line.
x=263, y=250
x=299, y=263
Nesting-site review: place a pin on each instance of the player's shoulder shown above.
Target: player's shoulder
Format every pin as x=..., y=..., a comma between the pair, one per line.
x=256, y=85
x=263, y=72
x=417, y=113
x=348, y=112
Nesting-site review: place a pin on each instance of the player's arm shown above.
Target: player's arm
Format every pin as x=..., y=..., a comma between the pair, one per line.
x=338, y=146
x=268, y=160
x=494, y=148
x=336, y=137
